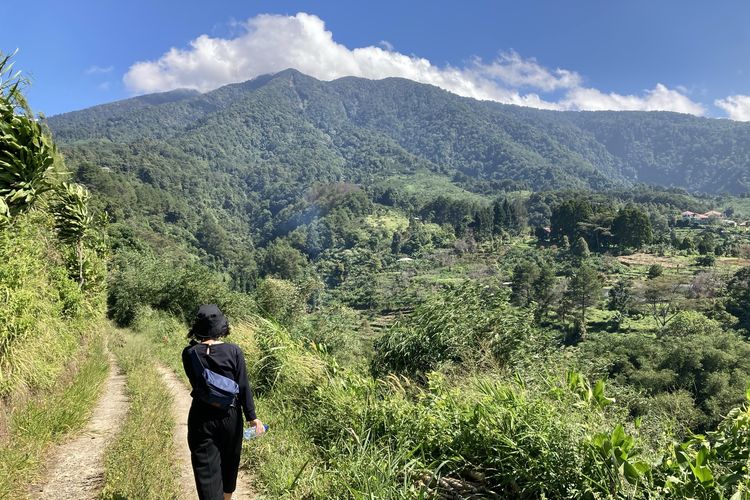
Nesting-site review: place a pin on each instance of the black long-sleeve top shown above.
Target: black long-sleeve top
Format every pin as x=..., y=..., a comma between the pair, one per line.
x=225, y=359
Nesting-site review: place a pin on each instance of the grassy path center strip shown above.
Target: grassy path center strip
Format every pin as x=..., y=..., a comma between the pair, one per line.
x=140, y=463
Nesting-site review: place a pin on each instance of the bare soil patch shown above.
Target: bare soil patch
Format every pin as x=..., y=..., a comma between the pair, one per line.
x=647, y=259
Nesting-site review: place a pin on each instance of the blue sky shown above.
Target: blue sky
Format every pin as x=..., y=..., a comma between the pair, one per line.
x=687, y=56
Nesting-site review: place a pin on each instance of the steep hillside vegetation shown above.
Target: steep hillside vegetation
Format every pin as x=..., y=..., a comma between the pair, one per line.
x=302, y=129
x=407, y=335
x=52, y=361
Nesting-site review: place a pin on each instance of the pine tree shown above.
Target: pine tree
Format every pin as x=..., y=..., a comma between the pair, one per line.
x=581, y=249
x=584, y=291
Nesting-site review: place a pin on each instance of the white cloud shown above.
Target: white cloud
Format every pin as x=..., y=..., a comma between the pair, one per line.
x=660, y=98
x=736, y=106
x=385, y=44
x=515, y=71
x=271, y=43
x=98, y=70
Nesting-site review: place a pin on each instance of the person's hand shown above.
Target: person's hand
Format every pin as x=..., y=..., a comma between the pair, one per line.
x=259, y=428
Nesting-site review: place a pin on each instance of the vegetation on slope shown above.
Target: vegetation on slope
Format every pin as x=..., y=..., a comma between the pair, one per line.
x=410, y=340
x=52, y=361
x=338, y=433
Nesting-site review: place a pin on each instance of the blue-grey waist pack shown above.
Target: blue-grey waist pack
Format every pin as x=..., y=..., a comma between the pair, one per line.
x=218, y=391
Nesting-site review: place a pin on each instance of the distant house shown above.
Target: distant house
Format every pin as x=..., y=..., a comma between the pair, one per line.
x=694, y=218
x=688, y=216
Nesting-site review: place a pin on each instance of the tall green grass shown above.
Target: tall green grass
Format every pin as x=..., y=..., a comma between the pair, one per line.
x=284, y=462
x=46, y=419
x=140, y=462
x=340, y=433
x=52, y=361
x=43, y=313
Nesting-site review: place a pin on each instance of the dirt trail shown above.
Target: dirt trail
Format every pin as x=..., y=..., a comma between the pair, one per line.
x=77, y=470
x=180, y=408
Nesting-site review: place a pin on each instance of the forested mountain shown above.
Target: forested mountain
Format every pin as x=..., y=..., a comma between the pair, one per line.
x=295, y=129
x=232, y=169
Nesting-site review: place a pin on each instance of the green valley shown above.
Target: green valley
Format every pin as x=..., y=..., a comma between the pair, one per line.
x=437, y=297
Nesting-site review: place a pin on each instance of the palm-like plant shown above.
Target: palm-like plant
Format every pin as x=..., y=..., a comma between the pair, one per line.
x=27, y=154
x=73, y=220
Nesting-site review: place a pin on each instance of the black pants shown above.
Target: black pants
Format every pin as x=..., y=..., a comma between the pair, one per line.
x=215, y=441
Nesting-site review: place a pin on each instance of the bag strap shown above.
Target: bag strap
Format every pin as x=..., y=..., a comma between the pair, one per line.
x=198, y=365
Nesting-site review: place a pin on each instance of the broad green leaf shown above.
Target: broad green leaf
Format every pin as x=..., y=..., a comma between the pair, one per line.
x=702, y=473
x=618, y=435
x=632, y=473
x=702, y=456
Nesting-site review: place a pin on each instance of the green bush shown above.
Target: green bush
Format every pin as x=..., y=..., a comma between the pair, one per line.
x=142, y=279
x=472, y=324
x=687, y=323
x=694, y=355
x=42, y=309
x=337, y=330
x=280, y=300
x=655, y=270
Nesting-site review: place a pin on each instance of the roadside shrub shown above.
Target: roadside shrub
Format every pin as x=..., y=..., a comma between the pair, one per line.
x=42, y=309
x=140, y=280
x=473, y=324
x=655, y=270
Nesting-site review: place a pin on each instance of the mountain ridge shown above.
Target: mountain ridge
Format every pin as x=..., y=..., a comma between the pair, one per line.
x=495, y=144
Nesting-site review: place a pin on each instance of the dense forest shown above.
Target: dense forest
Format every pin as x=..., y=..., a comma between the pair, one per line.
x=437, y=297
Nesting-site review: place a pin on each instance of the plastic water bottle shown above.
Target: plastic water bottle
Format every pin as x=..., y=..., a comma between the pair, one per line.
x=250, y=432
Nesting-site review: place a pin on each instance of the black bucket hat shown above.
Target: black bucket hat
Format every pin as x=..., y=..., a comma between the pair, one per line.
x=209, y=323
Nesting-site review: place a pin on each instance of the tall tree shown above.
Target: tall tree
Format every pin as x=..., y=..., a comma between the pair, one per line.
x=73, y=221
x=738, y=297
x=632, y=227
x=584, y=291
x=567, y=216
x=663, y=300
x=580, y=249
x=544, y=290
x=621, y=297
x=499, y=223
x=522, y=283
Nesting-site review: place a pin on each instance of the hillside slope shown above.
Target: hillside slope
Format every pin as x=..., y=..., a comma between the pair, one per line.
x=354, y=128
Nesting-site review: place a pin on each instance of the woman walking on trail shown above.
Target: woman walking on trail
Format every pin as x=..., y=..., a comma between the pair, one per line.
x=220, y=394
